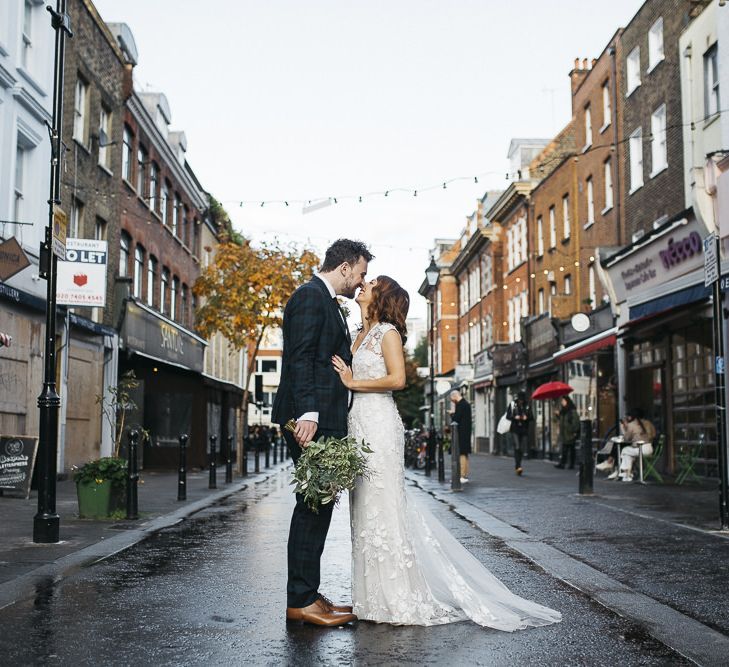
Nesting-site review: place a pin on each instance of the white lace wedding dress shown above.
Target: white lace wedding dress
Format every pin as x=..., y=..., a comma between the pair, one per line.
x=407, y=568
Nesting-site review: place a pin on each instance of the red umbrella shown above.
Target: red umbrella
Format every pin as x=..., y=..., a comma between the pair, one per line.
x=551, y=390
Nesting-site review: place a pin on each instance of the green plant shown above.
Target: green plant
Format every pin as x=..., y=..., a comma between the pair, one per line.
x=110, y=468
x=115, y=410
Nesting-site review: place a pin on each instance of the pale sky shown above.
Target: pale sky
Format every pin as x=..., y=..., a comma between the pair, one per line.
x=286, y=100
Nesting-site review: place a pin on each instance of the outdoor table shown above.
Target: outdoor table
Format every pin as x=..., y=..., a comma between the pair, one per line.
x=620, y=441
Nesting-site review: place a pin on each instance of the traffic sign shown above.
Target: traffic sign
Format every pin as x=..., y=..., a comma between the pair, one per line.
x=711, y=260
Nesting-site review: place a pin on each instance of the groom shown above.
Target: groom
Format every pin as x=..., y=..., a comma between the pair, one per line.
x=310, y=391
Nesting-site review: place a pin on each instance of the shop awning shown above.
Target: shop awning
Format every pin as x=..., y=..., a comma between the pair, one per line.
x=586, y=347
x=669, y=301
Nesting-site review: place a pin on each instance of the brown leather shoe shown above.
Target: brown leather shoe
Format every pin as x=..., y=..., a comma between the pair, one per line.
x=341, y=608
x=318, y=613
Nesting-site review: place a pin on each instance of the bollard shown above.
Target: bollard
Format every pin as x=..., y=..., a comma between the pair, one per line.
x=455, y=459
x=244, y=456
x=213, y=481
x=132, y=476
x=256, y=458
x=229, y=461
x=267, y=445
x=275, y=451
x=586, y=464
x=182, y=471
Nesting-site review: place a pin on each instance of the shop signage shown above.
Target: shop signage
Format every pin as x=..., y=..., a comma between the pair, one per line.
x=509, y=359
x=144, y=331
x=12, y=258
x=58, y=236
x=600, y=319
x=17, y=458
x=711, y=261
x=672, y=254
x=541, y=338
x=82, y=276
x=483, y=365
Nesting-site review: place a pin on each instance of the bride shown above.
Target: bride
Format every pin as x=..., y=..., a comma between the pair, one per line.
x=407, y=569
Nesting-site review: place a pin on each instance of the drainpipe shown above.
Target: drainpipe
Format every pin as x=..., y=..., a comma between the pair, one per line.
x=617, y=202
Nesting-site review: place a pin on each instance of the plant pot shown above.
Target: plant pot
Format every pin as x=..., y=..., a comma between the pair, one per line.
x=94, y=500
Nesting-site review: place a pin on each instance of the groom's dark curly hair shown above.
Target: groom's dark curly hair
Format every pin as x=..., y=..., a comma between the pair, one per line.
x=345, y=250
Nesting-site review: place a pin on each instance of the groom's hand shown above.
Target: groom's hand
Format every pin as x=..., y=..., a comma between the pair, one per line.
x=305, y=431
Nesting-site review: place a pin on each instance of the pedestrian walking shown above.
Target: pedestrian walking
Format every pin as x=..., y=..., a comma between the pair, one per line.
x=569, y=431
x=462, y=415
x=520, y=414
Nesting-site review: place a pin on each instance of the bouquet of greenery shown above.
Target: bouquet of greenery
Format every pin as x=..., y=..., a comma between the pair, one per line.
x=327, y=467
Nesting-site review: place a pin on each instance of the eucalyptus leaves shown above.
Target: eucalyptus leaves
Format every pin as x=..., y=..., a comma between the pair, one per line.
x=327, y=467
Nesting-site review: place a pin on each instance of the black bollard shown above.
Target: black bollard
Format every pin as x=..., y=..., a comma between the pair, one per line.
x=256, y=458
x=182, y=472
x=132, y=476
x=275, y=451
x=586, y=463
x=267, y=445
x=455, y=459
x=213, y=480
x=244, y=456
x=229, y=461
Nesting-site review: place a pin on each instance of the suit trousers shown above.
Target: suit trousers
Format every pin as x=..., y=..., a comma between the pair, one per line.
x=307, y=535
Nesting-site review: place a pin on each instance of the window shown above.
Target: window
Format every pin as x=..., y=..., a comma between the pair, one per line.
x=124, y=243
x=164, y=199
x=588, y=127
x=184, y=231
x=151, y=278
x=81, y=111
x=552, y=228
x=100, y=229
x=540, y=236
x=267, y=366
x=176, y=215
x=632, y=65
x=173, y=297
x=104, y=137
x=607, y=168
x=488, y=331
x=463, y=293
x=523, y=240
x=509, y=249
x=26, y=55
x=711, y=82
x=635, y=151
x=540, y=301
x=20, y=156
x=138, y=271
x=659, y=156
x=566, y=216
x=127, y=155
x=141, y=170
x=591, y=286
x=568, y=284
x=164, y=286
x=590, y=201
x=474, y=279
x=153, y=185
x=655, y=44
x=75, y=228
x=606, y=110
x=524, y=303
x=183, y=305
x=487, y=280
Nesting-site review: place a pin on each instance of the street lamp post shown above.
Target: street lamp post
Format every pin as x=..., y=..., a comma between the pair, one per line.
x=46, y=522
x=431, y=274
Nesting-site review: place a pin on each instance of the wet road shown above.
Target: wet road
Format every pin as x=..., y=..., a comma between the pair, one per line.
x=212, y=591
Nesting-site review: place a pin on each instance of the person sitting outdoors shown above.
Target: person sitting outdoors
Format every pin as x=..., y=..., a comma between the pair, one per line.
x=640, y=432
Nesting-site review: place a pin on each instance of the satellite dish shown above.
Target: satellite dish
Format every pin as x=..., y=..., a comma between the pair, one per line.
x=580, y=322
x=442, y=386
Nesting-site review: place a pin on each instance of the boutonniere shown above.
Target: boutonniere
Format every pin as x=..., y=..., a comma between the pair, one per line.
x=343, y=307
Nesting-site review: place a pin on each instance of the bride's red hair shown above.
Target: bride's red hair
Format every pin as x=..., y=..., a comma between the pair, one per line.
x=390, y=303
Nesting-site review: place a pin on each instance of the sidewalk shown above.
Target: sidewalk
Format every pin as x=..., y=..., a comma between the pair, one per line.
x=84, y=540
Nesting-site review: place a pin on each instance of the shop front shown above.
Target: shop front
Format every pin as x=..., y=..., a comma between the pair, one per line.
x=510, y=365
x=171, y=398
x=665, y=341
x=541, y=343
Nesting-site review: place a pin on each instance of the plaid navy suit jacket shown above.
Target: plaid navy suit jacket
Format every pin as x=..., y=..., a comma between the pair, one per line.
x=313, y=331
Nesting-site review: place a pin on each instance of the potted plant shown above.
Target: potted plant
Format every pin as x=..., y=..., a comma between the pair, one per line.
x=100, y=487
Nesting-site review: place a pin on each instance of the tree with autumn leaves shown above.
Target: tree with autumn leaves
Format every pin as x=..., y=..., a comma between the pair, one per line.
x=243, y=292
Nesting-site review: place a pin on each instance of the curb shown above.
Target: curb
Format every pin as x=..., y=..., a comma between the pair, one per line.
x=27, y=584
x=688, y=637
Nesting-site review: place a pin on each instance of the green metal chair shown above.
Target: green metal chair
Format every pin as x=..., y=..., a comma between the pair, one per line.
x=649, y=462
x=687, y=457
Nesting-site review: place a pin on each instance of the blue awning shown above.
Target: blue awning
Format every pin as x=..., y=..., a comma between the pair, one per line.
x=683, y=297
